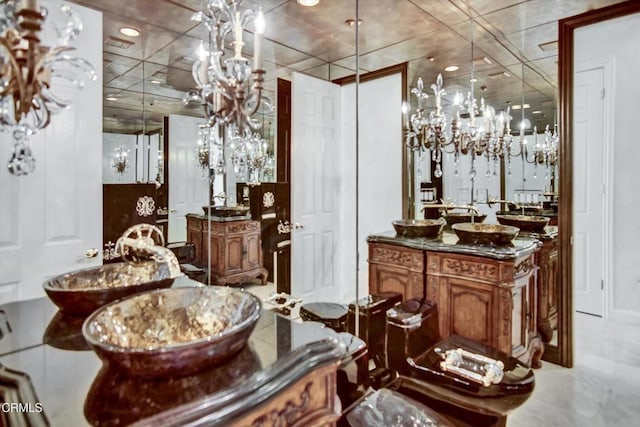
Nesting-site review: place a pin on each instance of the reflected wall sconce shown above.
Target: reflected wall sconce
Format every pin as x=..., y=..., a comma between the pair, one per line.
x=30, y=74
x=121, y=161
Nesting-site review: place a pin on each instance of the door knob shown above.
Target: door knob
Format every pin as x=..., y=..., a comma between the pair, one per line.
x=91, y=253
x=298, y=226
x=172, y=210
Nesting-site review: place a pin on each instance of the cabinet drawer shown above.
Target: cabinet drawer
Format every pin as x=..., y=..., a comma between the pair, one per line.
x=397, y=256
x=194, y=223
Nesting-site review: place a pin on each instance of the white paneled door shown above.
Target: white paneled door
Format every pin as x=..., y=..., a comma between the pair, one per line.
x=588, y=194
x=49, y=219
x=315, y=190
x=188, y=186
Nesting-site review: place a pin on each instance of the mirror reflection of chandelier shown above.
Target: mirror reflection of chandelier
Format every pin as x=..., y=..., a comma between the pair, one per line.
x=474, y=131
x=30, y=72
x=121, y=160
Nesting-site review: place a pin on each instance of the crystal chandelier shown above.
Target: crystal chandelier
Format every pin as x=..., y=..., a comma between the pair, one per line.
x=229, y=89
x=474, y=131
x=27, y=73
x=121, y=161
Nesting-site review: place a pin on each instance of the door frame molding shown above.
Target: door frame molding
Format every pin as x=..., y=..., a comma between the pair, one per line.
x=566, y=27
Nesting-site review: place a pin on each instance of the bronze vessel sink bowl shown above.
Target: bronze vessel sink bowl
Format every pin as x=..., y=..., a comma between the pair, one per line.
x=226, y=211
x=83, y=291
x=172, y=332
x=527, y=223
x=412, y=228
x=459, y=217
x=485, y=234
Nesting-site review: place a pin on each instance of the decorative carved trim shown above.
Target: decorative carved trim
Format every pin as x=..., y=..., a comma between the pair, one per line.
x=287, y=415
x=109, y=252
x=237, y=228
x=268, y=199
x=145, y=206
x=432, y=291
x=506, y=302
x=476, y=269
x=524, y=267
x=392, y=256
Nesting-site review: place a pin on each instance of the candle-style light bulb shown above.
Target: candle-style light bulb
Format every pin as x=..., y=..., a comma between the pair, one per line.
x=405, y=113
x=238, y=37
x=258, y=36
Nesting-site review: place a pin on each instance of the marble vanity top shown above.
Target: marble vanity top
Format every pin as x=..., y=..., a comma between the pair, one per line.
x=448, y=242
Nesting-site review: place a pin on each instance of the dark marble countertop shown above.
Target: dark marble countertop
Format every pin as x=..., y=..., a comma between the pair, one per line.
x=532, y=212
x=448, y=242
x=75, y=388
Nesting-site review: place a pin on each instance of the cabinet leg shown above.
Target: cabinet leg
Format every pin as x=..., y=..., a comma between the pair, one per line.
x=537, y=349
x=264, y=275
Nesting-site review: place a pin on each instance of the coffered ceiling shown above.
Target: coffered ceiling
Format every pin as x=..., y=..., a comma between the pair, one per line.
x=502, y=42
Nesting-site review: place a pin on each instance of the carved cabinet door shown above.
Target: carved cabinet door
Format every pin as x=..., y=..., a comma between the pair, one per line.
x=234, y=254
x=252, y=250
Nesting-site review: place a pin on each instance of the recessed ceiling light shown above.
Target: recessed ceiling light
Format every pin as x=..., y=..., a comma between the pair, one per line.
x=526, y=106
x=130, y=31
x=155, y=81
x=430, y=58
x=352, y=22
x=111, y=98
x=536, y=112
x=473, y=80
x=516, y=107
x=452, y=68
x=308, y=3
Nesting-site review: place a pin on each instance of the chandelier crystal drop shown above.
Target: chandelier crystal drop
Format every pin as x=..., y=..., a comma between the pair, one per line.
x=31, y=73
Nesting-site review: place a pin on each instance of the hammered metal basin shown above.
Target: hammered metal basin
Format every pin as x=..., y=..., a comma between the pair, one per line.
x=173, y=332
x=528, y=223
x=412, y=228
x=226, y=211
x=485, y=234
x=81, y=292
x=459, y=217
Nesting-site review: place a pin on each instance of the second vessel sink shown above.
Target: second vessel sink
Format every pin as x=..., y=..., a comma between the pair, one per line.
x=528, y=223
x=412, y=228
x=485, y=234
x=459, y=217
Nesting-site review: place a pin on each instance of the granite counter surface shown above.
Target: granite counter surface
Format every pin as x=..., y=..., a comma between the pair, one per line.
x=522, y=245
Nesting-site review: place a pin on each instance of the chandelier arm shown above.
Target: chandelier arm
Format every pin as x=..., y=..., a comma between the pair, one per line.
x=17, y=77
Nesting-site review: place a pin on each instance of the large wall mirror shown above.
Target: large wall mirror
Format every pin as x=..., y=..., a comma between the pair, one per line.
x=509, y=49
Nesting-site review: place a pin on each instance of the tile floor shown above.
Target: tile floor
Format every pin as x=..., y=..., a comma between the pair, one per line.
x=602, y=389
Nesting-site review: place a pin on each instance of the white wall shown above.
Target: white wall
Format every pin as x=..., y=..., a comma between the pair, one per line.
x=619, y=39
x=380, y=163
x=458, y=187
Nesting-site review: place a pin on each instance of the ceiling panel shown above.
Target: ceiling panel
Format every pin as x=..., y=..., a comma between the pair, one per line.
x=316, y=41
x=533, y=13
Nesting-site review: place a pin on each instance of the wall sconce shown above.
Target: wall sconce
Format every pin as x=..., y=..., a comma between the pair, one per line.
x=29, y=73
x=121, y=161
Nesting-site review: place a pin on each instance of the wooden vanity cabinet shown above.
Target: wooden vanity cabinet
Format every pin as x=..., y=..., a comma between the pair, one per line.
x=396, y=269
x=490, y=301
x=547, y=260
x=196, y=236
x=236, y=249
